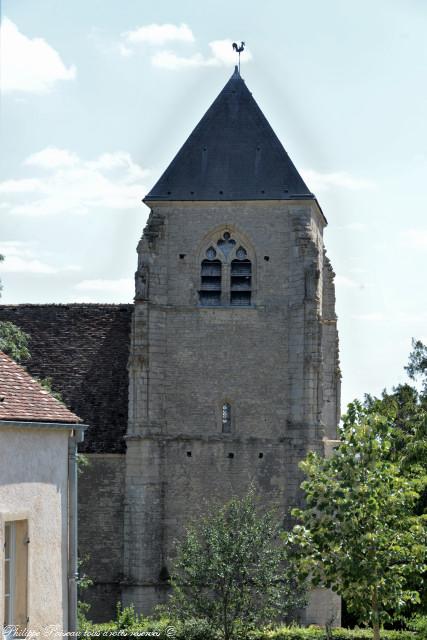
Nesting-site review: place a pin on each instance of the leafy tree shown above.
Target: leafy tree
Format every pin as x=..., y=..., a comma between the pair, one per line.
x=13, y=341
x=231, y=570
x=417, y=365
x=409, y=433
x=359, y=534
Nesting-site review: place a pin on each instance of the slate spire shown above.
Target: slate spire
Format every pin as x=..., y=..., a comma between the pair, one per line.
x=232, y=154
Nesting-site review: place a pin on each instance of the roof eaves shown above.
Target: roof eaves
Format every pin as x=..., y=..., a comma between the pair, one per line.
x=34, y=424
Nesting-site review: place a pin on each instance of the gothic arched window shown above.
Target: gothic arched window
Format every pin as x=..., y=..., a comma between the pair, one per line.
x=226, y=274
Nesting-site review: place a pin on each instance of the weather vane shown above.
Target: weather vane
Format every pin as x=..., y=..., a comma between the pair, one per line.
x=238, y=49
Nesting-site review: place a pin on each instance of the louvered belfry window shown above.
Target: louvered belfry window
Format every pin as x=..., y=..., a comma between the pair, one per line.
x=226, y=274
x=240, y=279
x=210, y=288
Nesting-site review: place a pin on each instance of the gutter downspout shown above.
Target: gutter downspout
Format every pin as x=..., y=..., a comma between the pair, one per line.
x=76, y=436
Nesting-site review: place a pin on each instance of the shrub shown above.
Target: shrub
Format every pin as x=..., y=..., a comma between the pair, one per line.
x=199, y=630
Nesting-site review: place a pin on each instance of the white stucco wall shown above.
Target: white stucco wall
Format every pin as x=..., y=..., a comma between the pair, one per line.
x=33, y=486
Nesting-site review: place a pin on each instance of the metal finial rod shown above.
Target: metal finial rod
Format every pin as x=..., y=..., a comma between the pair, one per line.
x=238, y=50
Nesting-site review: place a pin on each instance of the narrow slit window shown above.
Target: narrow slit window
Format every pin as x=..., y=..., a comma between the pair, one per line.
x=241, y=279
x=210, y=280
x=226, y=418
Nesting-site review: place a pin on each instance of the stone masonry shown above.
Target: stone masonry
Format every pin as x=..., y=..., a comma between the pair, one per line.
x=275, y=362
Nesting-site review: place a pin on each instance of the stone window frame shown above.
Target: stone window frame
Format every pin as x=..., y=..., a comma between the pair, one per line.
x=241, y=240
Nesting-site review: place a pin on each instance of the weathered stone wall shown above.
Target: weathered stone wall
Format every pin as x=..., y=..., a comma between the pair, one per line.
x=84, y=348
x=100, y=512
x=267, y=361
x=331, y=375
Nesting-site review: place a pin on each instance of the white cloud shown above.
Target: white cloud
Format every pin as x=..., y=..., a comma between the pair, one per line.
x=222, y=54
x=29, y=64
x=318, y=181
x=159, y=34
x=123, y=286
x=165, y=35
x=21, y=257
x=22, y=185
x=51, y=157
x=75, y=186
x=171, y=60
x=415, y=238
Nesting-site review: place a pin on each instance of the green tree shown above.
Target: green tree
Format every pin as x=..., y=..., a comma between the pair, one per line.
x=13, y=341
x=409, y=433
x=231, y=570
x=417, y=366
x=359, y=533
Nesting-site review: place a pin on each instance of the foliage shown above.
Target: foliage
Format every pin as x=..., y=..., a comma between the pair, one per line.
x=83, y=462
x=409, y=433
x=83, y=608
x=47, y=385
x=14, y=341
x=417, y=365
x=126, y=616
x=199, y=630
x=231, y=571
x=359, y=534
x=419, y=623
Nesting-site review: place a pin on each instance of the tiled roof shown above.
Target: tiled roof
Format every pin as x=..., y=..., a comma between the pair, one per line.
x=84, y=349
x=23, y=399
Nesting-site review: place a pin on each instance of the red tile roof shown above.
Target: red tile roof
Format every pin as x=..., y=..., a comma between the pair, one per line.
x=23, y=399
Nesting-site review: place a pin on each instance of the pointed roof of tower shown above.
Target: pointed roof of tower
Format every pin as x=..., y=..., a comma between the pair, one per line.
x=232, y=154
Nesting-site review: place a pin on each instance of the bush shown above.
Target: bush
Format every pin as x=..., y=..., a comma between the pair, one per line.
x=199, y=630
x=419, y=623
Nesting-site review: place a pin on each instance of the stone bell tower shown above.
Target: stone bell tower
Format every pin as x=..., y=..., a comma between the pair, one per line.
x=234, y=371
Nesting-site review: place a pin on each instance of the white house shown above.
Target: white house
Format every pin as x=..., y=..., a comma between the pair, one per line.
x=38, y=500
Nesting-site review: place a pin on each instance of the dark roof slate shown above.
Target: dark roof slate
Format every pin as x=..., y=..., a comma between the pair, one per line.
x=232, y=154
x=84, y=348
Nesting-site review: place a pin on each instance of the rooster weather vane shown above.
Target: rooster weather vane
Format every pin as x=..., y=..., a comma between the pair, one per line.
x=238, y=49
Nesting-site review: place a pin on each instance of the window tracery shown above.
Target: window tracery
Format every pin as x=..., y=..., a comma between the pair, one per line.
x=226, y=274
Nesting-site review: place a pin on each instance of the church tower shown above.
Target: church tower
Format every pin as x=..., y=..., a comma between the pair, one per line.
x=234, y=371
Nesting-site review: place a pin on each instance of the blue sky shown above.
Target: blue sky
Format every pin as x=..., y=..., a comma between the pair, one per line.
x=98, y=95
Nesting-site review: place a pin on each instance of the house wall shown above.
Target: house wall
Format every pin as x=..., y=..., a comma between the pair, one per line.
x=33, y=486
